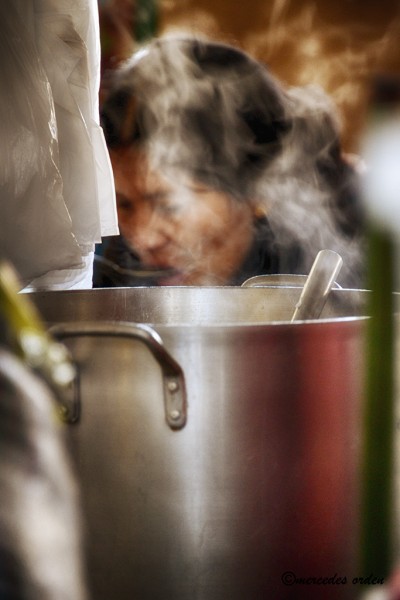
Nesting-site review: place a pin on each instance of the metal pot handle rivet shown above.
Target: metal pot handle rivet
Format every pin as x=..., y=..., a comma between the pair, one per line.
x=175, y=401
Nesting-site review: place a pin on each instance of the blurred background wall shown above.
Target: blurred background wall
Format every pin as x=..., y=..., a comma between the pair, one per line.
x=337, y=44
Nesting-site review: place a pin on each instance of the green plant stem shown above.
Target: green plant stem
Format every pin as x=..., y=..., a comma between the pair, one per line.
x=146, y=20
x=378, y=424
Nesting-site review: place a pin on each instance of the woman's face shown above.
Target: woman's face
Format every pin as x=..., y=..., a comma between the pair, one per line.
x=203, y=234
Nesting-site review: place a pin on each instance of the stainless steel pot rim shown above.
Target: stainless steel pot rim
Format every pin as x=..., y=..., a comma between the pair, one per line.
x=250, y=326
x=191, y=307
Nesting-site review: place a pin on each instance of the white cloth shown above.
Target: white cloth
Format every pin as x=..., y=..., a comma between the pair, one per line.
x=57, y=195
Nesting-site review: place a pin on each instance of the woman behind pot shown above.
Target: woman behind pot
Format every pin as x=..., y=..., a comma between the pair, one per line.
x=220, y=173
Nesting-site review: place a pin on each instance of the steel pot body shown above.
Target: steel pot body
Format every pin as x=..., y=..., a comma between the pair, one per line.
x=257, y=491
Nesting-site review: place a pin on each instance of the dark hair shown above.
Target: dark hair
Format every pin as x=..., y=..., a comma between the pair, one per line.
x=212, y=110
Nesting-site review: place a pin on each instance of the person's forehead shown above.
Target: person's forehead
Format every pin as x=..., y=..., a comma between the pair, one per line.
x=132, y=171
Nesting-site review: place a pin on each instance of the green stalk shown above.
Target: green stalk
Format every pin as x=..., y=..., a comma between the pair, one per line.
x=18, y=312
x=146, y=20
x=27, y=335
x=378, y=422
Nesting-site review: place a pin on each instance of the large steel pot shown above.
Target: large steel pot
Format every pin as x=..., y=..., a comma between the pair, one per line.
x=259, y=485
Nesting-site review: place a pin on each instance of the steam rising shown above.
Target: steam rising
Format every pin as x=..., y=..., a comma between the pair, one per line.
x=304, y=45
x=300, y=202
x=236, y=129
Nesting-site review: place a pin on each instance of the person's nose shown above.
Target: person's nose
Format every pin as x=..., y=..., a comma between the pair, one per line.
x=149, y=231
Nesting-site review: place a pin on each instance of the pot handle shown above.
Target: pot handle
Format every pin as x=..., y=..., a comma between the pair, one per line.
x=175, y=402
